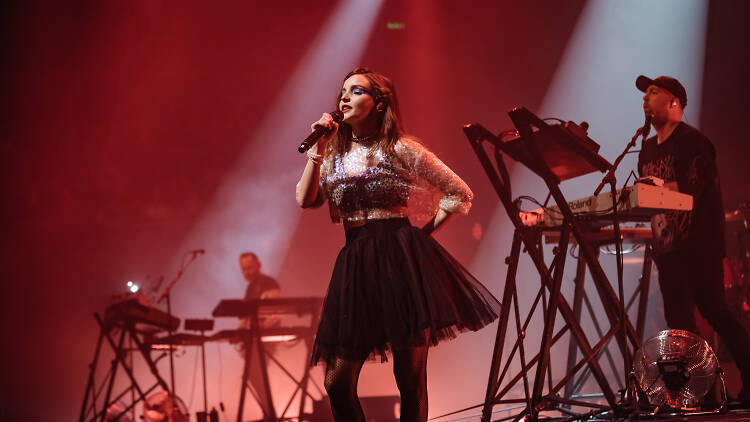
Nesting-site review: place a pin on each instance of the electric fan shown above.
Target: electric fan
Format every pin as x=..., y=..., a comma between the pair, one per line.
x=675, y=368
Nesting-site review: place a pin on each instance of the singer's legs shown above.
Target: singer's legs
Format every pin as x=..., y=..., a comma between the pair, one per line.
x=410, y=369
x=341, y=384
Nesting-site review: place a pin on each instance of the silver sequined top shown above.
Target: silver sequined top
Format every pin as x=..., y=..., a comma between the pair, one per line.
x=367, y=184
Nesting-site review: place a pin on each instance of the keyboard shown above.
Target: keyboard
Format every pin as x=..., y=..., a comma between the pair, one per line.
x=635, y=203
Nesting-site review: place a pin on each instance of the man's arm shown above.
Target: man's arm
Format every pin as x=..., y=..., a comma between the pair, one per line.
x=270, y=293
x=701, y=170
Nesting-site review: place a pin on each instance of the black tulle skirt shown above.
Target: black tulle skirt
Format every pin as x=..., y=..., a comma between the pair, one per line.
x=392, y=287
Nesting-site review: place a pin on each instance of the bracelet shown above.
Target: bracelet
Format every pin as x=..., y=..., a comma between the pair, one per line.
x=315, y=158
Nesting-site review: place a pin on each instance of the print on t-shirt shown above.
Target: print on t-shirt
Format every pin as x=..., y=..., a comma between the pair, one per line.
x=670, y=227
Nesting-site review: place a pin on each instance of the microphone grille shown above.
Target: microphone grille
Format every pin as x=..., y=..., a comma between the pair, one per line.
x=337, y=115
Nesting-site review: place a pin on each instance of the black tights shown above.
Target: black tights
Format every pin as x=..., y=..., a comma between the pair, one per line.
x=410, y=370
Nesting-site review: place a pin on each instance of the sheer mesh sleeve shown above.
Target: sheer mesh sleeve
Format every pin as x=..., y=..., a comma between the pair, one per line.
x=326, y=167
x=320, y=197
x=431, y=174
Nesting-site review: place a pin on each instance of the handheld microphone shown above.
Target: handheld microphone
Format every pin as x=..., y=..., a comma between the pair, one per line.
x=319, y=131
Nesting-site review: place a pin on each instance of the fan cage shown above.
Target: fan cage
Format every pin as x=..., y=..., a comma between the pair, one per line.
x=675, y=368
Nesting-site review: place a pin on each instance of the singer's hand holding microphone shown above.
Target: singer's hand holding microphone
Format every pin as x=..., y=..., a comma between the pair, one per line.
x=326, y=121
x=322, y=131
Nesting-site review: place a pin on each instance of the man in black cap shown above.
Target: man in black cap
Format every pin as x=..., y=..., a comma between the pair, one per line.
x=689, y=245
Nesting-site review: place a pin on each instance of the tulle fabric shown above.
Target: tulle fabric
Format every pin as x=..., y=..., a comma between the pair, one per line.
x=395, y=287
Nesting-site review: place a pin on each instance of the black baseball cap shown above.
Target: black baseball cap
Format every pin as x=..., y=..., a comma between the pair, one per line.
x=670, y=84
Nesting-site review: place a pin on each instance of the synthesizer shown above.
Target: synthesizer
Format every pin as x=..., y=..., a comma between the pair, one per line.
x=242, y=308
x=635, y=203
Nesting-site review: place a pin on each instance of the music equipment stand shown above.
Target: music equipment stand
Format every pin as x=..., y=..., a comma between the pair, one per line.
x=580, y=158
x=579, y=297
x=124, y=329
x=253, y=338
x=201, y=325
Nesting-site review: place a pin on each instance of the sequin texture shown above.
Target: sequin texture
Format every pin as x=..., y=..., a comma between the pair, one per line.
x=367, y=184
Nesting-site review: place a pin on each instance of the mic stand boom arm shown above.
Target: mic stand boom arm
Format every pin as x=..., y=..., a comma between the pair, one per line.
x=610, y=176
x=166, y=295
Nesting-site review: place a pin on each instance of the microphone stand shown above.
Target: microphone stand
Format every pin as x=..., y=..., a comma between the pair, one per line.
x=610, y=179
x=610, y=176
x=167, y=295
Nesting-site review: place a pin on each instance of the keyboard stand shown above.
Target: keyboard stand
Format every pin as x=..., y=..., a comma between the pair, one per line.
x=551, y=277
x=121, y=335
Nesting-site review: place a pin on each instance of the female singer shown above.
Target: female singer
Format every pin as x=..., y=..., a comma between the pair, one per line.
x=393, y=287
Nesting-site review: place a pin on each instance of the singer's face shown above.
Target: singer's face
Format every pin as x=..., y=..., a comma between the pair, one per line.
x=357, y=102
x=656, y=102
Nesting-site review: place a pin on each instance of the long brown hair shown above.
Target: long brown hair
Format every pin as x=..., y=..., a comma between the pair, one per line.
x=389, y=118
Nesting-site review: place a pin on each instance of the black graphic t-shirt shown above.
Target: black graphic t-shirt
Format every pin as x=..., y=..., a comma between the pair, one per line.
x=688, y=158
x=254, y=291
x=260, y=285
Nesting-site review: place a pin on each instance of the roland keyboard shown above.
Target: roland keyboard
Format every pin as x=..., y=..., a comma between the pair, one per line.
x=635, y=203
